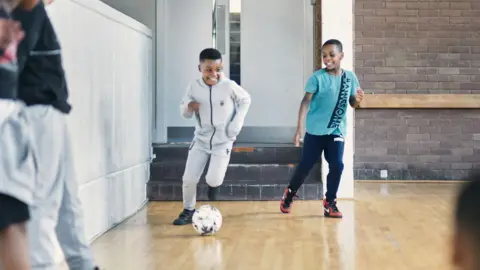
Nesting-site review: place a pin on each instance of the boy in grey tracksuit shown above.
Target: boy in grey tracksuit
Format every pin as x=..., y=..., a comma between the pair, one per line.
x=219, y=106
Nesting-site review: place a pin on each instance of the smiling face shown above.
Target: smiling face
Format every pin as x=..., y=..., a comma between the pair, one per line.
x=211, y=70
x=332, y=57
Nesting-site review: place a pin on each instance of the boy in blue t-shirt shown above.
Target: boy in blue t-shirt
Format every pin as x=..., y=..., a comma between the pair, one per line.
x=328, y=93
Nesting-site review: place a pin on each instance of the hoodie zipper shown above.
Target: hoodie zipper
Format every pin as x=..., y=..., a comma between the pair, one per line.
x=211, y=118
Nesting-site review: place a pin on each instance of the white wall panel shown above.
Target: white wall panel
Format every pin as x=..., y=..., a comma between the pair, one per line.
x=108, y=62
x=339, y=25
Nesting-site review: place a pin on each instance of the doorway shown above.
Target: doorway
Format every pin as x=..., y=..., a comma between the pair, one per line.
x=267, y=47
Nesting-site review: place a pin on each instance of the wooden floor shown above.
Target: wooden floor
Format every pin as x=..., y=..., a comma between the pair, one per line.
x=387, y=227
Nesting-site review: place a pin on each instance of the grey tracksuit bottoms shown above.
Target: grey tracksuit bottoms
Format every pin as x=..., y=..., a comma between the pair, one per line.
x=57, y=223
x=198, y=156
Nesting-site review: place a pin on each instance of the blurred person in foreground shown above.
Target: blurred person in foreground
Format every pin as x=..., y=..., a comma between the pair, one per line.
x=56, y=213
x=17, y=159
x=466, y=240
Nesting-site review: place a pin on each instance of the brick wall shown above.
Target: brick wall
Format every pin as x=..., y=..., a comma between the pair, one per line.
x=417, y=144
x=417, y=47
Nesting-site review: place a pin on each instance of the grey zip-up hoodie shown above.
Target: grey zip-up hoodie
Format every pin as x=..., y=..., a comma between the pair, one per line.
x=222, y=112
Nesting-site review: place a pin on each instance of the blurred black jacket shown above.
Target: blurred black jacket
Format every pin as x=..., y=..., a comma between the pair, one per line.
x=41, y=73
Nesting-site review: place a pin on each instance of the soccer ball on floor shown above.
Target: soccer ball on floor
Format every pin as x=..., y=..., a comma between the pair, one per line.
x=207, y=220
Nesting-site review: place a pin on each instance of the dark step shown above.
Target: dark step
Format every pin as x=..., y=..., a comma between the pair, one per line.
x=241, y=153
x=172, y=191
x=246, y=173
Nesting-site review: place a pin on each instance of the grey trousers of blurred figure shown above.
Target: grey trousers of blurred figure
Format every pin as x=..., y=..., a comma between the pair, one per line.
x=18, y=167
x=57, y=221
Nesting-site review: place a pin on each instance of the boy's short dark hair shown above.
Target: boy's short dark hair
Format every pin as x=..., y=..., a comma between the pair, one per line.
x=334, y=42
x=467, y=212
x=210, y=54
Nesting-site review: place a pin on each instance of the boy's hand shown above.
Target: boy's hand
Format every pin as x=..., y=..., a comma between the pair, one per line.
x=10, y=31
x=359, y=95
x=6, y=33
x=193, y=106
x=297, y=137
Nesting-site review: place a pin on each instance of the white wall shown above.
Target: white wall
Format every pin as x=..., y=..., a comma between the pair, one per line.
x=184, y=28
x=141, y=10
x=276, y=58
x=281, y=48
x=107, y=57
x=339, y=25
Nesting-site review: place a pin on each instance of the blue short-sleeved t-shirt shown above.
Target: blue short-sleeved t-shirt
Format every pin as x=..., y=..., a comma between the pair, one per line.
x=328, y=108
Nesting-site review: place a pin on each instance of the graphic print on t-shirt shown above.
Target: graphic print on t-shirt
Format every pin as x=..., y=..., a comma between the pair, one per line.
x=342, y=103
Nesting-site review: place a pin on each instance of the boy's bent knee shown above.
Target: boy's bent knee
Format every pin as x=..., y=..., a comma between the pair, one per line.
x=304, y=167
x=214, y=181
x=337, y=167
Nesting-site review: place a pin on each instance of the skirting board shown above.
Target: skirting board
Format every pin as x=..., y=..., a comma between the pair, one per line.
x=412, y=181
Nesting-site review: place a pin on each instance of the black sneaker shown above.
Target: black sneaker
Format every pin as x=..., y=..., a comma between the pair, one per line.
x=287, y=200
x=184, y=218
x=212, y=193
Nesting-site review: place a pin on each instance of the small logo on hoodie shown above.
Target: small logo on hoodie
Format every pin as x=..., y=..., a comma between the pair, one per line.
x=222, y=103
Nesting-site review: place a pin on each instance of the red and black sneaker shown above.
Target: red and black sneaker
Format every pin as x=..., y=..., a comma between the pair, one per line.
x=330, y=209
x=287, y=200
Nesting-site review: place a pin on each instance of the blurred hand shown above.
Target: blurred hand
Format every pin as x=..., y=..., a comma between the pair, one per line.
x=297, y=138
x=10, y=32
x=193, y=106
x=359, y=95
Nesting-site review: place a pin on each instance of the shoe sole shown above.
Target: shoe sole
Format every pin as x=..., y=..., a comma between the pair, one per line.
x=182, y=224
x=285, y=211
x=333, y=217
x=329, y=216
x=282, y=209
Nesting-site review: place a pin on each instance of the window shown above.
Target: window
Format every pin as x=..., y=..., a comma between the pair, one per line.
x=235, y=26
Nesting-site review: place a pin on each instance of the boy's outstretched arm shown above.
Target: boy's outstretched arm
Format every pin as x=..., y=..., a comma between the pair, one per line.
x=242, y=100
x=185, y=111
